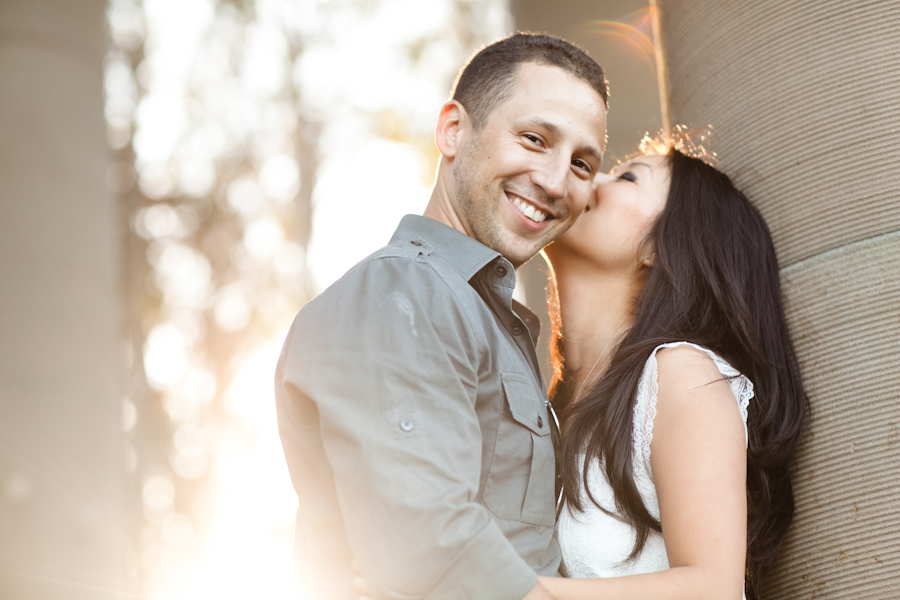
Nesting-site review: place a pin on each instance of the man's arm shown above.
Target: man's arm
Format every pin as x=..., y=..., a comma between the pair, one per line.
x=386, y=366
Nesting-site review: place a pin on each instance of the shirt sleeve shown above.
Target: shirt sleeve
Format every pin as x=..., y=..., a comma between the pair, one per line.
x=387, y=366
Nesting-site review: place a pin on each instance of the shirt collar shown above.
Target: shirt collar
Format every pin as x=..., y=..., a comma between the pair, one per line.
x=467, y=254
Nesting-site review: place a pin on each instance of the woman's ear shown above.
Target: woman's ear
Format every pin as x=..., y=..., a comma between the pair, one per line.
x=452, y=128
x=649, y=260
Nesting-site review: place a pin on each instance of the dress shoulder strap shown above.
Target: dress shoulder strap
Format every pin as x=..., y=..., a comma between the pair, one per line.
x=648, y=389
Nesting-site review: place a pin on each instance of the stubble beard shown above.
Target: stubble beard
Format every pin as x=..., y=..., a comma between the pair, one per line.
x=478, y=206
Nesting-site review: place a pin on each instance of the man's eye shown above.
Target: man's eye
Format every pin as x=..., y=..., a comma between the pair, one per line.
x=533, y=139
x=628, y=176
x=582, y=165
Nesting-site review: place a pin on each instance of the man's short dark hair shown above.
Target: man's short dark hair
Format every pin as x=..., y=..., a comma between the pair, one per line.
x=488, y=79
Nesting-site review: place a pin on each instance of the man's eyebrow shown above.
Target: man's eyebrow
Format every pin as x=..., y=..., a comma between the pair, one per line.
x=539, y=123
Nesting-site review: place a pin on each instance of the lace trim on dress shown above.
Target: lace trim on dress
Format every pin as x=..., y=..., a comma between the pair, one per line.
x=645, y=413
x=648, y=390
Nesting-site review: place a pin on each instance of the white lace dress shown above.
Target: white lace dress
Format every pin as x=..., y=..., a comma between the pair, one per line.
x=593, y=543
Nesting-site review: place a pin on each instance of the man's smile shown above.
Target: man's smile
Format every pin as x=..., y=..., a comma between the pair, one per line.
x=527, y=209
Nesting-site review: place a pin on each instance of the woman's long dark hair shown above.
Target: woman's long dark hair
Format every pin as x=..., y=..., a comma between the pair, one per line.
x=714, y=283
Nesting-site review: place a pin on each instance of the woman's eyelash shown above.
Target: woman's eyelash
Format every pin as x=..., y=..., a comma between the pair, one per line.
x=628, y=176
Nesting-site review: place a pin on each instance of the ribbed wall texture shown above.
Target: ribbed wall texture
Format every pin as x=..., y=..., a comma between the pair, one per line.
x=804, y=100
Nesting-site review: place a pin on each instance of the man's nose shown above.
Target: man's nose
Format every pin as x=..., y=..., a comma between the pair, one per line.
x=553, y=178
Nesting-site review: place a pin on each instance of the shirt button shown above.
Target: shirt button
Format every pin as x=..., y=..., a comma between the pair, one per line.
x=517, y=329
x=540, y=421
x=407, y=425
x=501, y=271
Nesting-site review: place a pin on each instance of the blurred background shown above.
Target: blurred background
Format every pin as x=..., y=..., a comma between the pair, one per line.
x=178, y=177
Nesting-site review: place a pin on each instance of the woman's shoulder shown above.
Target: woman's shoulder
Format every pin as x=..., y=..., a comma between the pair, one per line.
x=689, y=375
x=682, y=376
x=681, y=364
x=693, y=357
x=689, y=364
x=684, y=364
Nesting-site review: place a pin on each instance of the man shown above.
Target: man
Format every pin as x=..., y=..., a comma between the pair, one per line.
x=411, y=406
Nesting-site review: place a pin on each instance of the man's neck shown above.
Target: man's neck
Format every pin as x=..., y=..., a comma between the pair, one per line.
x=441, y=208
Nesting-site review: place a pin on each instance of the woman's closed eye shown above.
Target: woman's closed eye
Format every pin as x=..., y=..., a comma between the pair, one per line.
x=628, y=176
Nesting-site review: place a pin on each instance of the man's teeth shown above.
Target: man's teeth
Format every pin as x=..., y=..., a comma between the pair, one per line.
x=529, y=211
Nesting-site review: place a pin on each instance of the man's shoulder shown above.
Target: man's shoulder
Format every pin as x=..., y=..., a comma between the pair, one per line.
x=403, y=268
x=408, y=264
x=398, y=293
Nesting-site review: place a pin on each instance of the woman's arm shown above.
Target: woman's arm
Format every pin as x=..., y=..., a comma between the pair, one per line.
x=699, y=462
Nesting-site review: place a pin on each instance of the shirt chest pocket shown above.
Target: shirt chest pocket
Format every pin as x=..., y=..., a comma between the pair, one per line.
x=520, y=482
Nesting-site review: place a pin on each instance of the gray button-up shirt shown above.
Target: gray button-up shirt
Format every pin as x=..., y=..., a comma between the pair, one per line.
x=413, y=418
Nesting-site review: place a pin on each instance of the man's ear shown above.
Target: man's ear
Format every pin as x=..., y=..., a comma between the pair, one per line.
x=453, y=127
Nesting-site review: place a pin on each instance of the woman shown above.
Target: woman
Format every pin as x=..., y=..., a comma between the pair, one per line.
x=677, y=385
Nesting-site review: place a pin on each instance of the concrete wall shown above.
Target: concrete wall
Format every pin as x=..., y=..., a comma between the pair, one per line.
x=61, y=453
x=804, y=98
